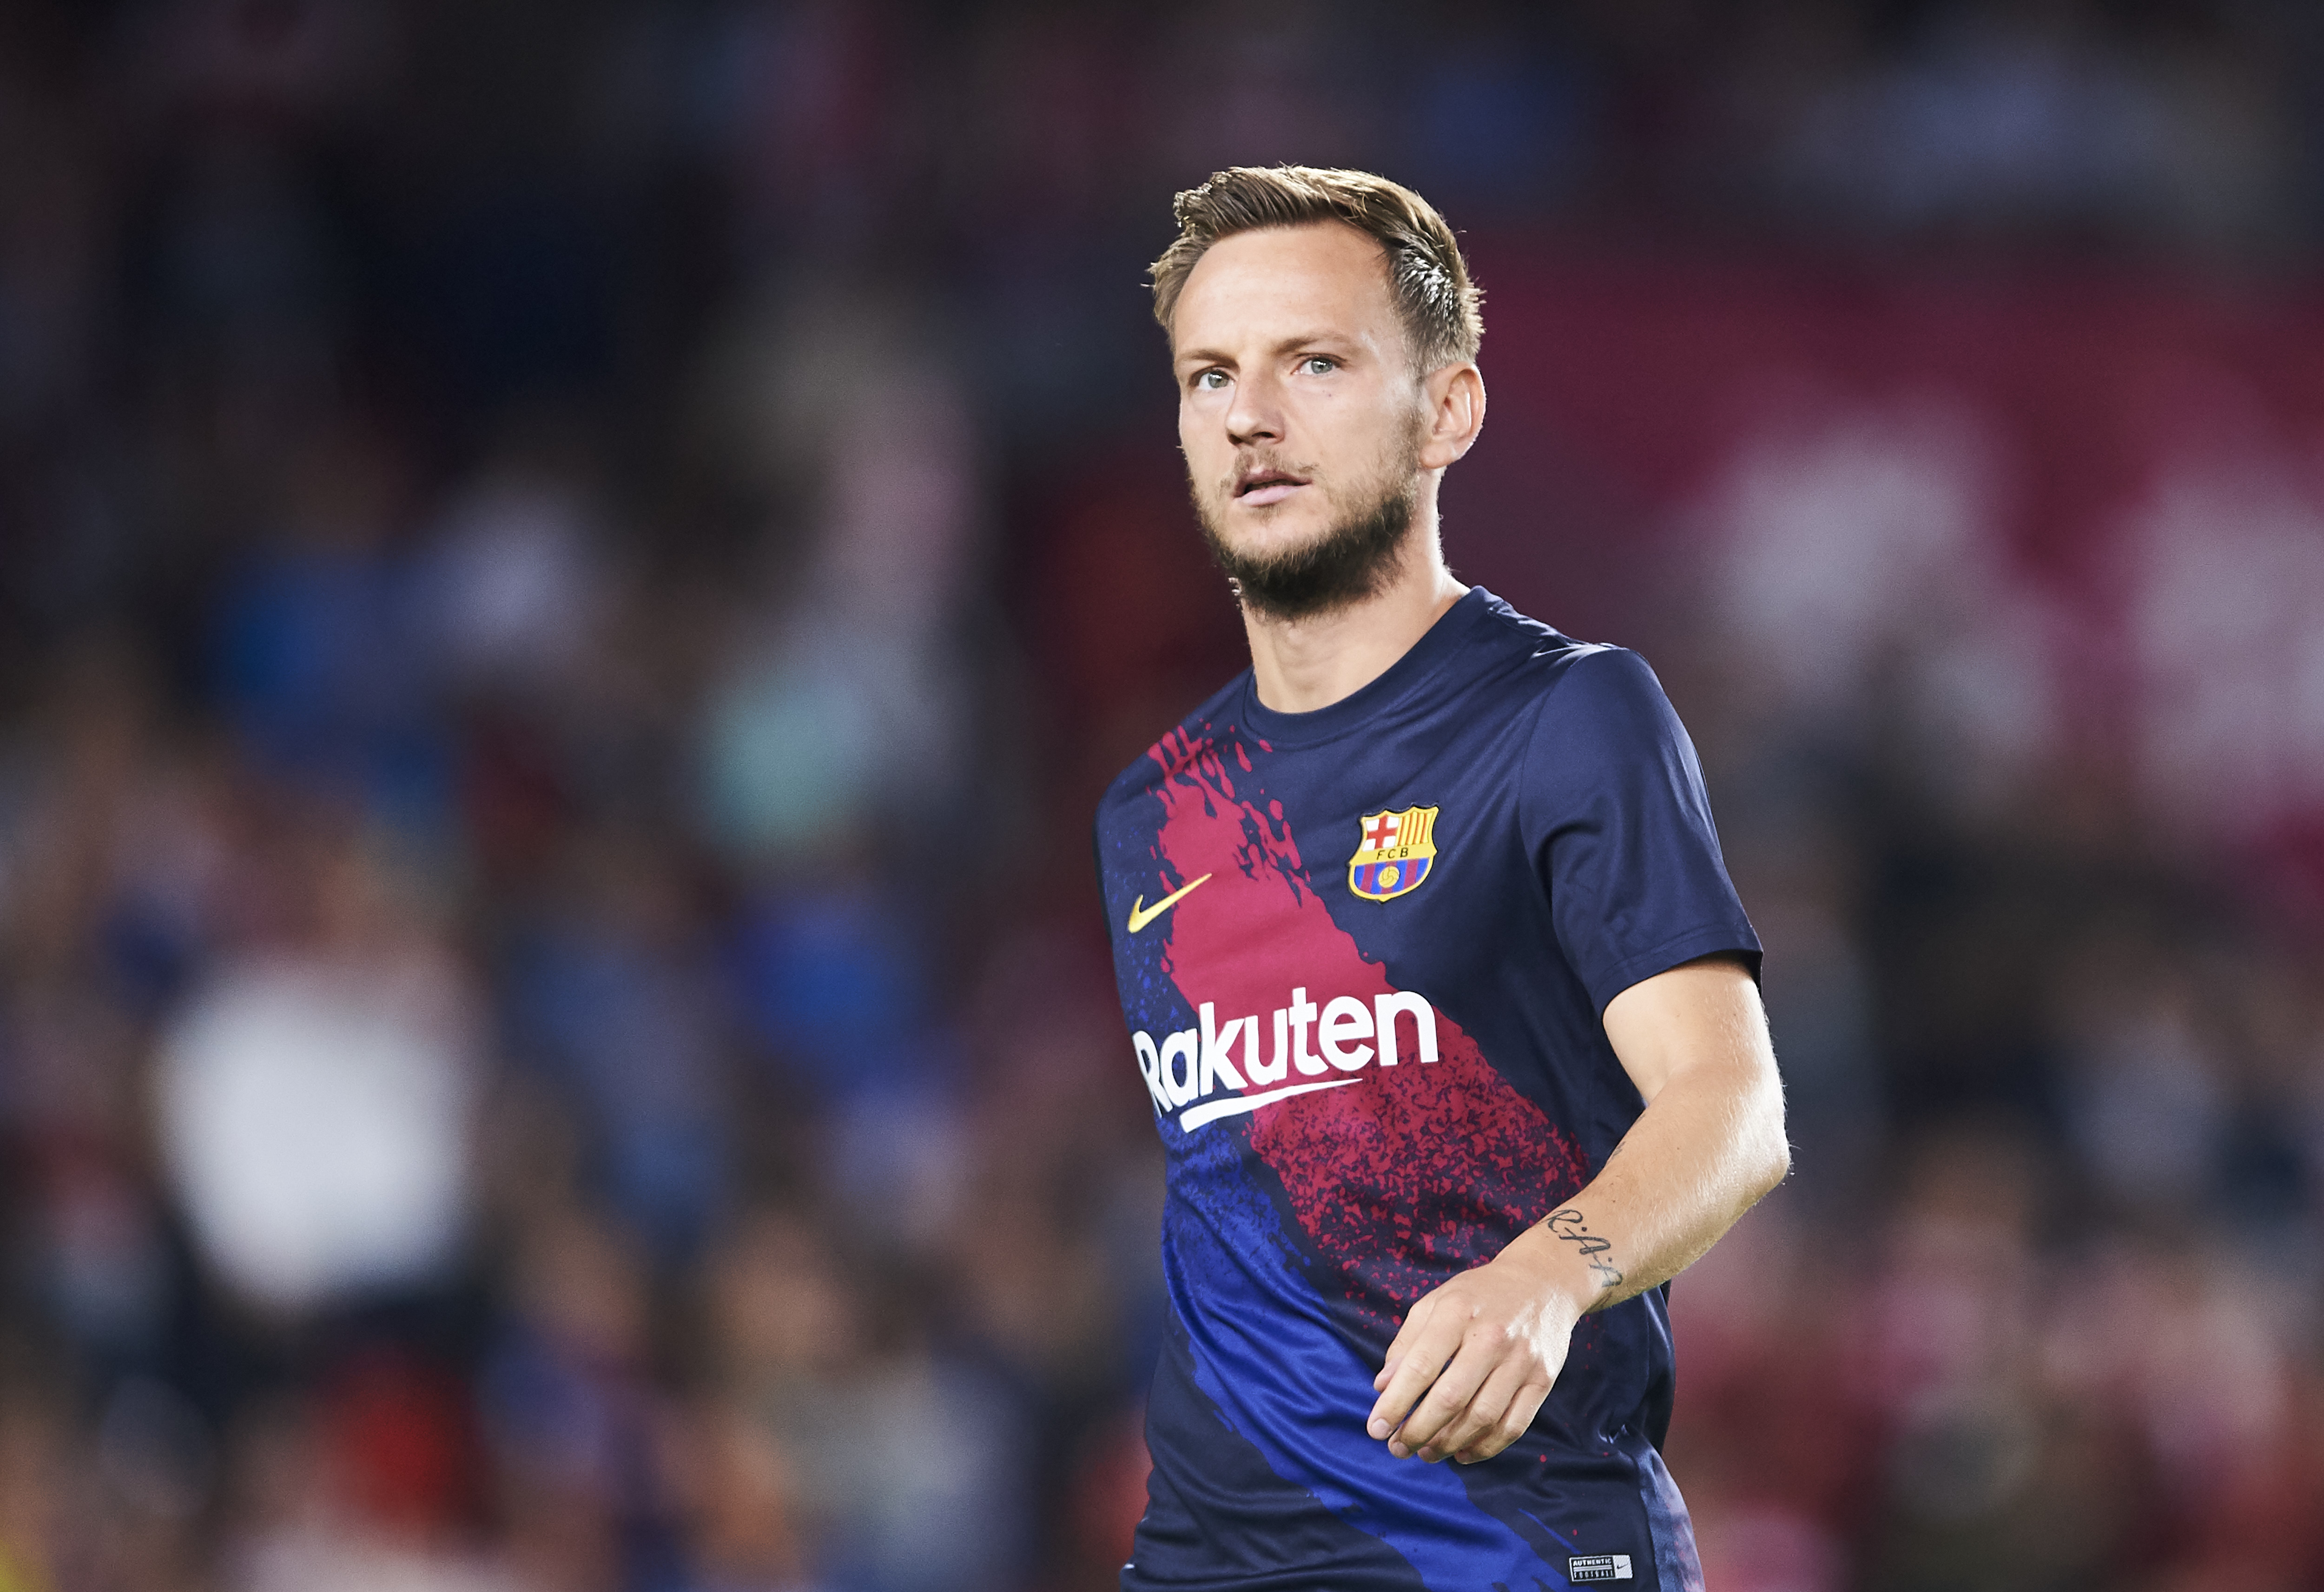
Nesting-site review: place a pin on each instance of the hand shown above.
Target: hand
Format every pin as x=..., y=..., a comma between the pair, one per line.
x=1485, y=1348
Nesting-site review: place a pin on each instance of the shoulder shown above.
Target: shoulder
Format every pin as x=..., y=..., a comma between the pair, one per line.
x=1565, y=678
x=1600, y=720
x=1606, y=711
x=1174, y=748
x=1604, y=736
x=1605, y=691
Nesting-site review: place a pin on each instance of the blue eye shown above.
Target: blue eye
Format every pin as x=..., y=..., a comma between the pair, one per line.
x=1317, y=365
x=1211, y=381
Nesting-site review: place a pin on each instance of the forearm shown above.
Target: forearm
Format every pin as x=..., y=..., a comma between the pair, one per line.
x=1703, y=1152
x=1487, y=1345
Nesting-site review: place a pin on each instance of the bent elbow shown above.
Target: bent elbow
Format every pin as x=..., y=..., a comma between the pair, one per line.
x=1778, y=1165
x=1774, y=1157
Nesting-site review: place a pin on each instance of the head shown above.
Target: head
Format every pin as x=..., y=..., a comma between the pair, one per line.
x=1323, y=335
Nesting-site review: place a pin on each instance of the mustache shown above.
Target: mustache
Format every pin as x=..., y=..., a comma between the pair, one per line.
x=1250, y=462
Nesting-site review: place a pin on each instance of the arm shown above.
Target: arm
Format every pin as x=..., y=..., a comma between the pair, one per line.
x=1485, y=1347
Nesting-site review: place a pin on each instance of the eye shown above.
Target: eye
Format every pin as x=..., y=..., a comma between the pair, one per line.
x=1211, y=381
x=1317, y=364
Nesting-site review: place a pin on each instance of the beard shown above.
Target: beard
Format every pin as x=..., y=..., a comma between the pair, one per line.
x=1355, y=557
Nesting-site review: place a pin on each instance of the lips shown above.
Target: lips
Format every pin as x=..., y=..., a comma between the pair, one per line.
x=1257, y=488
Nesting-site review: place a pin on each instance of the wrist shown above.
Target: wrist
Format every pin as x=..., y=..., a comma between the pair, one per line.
x=1559, y=1272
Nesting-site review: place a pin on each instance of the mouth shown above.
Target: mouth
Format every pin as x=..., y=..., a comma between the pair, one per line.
x=1258, y=488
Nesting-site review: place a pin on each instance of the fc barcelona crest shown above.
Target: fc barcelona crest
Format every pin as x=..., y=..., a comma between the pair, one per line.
x=1397, y=850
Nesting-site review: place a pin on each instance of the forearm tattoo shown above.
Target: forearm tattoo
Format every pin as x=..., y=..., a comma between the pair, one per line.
x=1570, y=1226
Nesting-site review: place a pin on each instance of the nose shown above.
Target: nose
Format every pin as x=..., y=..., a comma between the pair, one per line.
x=1256, y=414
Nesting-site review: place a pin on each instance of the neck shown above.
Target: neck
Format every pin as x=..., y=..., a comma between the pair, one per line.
x=1300, y=665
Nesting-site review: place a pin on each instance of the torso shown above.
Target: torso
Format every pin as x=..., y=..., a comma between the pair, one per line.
x=1372, y=1063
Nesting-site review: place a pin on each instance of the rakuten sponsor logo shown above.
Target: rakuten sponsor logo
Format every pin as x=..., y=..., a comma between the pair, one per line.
x=1197, y=1063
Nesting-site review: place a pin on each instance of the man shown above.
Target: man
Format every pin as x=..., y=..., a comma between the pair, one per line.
x=1433, y=971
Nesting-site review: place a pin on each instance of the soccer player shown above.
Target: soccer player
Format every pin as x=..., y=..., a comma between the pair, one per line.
x=1433, y=969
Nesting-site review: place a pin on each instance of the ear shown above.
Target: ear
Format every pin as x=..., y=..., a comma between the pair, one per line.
x=1454, y=401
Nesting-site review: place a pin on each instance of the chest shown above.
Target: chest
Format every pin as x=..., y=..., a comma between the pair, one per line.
x=1243, y=874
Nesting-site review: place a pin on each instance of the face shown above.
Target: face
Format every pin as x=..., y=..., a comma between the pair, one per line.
x=1303, y=423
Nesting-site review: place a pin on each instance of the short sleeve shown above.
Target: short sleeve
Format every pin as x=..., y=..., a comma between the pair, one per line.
x=1619, y=826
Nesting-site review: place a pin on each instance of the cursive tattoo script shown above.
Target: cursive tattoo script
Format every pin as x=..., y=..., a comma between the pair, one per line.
x=1571, y=1226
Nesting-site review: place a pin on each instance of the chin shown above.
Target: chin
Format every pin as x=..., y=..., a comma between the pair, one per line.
x=1274, y=529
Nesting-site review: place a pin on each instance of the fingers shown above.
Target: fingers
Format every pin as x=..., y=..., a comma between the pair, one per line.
x=1429, y=1429
x=1483, y=1412
x=1428, y=1343
x=1460, y=1378
x=1499, y=1414
x=1415, y=1319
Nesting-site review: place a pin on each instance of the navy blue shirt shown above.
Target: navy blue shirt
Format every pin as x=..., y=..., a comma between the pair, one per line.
x=1364, y=953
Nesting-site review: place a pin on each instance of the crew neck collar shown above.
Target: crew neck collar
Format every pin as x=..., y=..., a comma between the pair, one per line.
x=1364, y=704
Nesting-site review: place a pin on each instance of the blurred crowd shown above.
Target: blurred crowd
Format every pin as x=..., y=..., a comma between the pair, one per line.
x=571, y=575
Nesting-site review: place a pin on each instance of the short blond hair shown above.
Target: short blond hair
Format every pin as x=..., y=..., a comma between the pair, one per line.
x=1441, y=308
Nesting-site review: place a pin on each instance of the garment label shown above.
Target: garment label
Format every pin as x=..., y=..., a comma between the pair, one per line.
x=1599, y=1567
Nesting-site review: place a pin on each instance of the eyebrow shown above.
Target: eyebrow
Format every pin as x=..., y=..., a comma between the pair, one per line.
x=1209, y=356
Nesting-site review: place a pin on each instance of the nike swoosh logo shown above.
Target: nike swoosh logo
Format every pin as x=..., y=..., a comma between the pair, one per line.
x=1235, y=1105
x=1140, y=914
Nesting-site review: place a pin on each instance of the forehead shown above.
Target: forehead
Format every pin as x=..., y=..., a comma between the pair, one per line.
x=1286, y=280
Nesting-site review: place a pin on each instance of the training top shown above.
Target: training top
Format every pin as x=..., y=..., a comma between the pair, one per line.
x=1364, y=954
